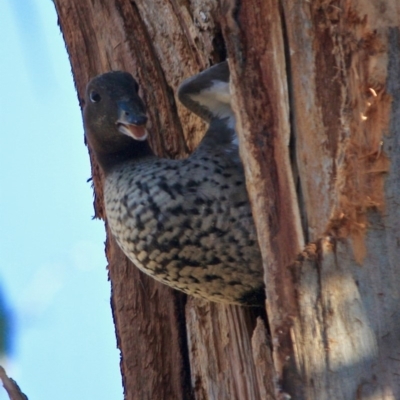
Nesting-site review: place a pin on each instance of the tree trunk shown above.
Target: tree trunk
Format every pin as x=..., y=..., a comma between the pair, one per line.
x=316, y=96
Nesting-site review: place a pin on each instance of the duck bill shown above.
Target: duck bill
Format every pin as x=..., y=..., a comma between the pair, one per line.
x=134, y=131
x=131, y=122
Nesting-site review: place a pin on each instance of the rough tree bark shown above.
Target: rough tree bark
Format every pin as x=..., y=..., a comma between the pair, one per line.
x=316, y=93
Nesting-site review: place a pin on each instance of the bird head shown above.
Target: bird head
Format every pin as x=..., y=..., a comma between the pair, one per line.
x=114, y=115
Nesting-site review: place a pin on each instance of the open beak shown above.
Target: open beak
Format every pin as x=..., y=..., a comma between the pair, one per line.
x=131, y=122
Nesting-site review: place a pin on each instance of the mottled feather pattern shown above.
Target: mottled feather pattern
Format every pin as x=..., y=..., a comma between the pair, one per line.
x=187, y=223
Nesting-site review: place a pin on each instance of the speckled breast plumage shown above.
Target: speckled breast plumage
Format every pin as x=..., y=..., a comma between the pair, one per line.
x=188, y=224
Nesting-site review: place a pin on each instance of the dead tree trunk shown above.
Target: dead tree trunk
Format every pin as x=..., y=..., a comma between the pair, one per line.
x=317, y=98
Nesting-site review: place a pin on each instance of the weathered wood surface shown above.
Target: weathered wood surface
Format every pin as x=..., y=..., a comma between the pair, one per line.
x=345, y=72
x=317, y=98
x=220, y=352
x=261, y=106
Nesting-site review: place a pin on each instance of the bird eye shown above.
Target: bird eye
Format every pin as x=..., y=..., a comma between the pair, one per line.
x=94, y=97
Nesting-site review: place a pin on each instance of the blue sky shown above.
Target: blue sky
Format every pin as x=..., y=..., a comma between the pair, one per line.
x=53, y=271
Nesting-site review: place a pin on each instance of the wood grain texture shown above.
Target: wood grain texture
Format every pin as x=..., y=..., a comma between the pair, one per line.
x=347, y=323
x=220, y=351
x=344, y=68
x=325, y=338
x=261, y=104
x=263, y=361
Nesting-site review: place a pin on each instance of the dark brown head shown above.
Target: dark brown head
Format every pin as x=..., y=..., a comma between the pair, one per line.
x=114, y=118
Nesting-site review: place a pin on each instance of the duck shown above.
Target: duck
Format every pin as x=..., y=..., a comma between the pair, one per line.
x=185, y=222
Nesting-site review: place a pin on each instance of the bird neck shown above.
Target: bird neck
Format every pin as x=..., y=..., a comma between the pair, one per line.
x=136, y=150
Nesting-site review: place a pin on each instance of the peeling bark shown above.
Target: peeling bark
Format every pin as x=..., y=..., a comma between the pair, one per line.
x=317, y=98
